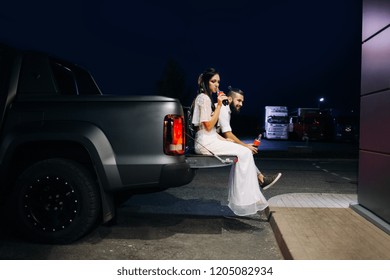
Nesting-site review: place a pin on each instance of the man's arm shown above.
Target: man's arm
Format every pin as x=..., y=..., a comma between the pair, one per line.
x=226, y=130
x=230, y=135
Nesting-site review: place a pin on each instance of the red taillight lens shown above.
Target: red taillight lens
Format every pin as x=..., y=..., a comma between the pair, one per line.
x=174, y=140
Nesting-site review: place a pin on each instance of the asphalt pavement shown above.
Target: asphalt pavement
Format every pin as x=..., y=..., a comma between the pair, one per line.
x=311, y=217
x=306, y=149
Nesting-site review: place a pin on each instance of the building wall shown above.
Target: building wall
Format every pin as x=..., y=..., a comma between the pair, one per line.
x=374, y=163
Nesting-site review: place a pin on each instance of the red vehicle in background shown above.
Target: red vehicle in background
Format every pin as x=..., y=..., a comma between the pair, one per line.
x=311, y=124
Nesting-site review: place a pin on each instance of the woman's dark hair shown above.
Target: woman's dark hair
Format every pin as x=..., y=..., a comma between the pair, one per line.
x=203, y=83
x=203, y=80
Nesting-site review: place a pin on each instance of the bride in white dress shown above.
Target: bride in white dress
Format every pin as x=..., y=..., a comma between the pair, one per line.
x=244, y=195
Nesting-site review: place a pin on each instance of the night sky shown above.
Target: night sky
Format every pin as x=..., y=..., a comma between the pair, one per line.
x=279, y=52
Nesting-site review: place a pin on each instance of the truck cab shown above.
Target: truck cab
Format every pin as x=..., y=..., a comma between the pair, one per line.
x=310, y=124
x=276, y=122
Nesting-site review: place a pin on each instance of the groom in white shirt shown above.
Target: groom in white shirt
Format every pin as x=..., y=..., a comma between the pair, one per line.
x=236, y=101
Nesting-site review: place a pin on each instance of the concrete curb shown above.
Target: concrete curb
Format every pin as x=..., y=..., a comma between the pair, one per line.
x=327, y=234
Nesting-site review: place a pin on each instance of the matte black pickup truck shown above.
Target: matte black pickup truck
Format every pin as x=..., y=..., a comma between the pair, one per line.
x=68, y=152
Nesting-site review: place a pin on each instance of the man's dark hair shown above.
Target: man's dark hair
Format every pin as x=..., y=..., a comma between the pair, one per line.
x=232, y=91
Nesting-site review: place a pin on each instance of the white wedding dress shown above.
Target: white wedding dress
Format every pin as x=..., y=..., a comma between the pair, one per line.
x=245, y=197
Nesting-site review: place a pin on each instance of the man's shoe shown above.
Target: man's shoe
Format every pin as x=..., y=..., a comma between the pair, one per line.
x=269, y=181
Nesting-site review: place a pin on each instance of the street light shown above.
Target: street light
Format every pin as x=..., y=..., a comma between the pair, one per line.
x=321, y=100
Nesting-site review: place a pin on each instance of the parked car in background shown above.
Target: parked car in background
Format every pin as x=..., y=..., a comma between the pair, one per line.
x=346, y=128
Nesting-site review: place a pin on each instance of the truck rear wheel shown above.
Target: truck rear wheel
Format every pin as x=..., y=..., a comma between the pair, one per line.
x=56, y=201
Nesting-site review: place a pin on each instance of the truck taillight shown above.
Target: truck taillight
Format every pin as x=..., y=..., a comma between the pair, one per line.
x=174, y=140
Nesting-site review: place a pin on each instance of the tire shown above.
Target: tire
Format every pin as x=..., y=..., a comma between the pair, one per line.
x=55, y=201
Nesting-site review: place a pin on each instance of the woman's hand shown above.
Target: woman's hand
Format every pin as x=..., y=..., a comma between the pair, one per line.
x=209, y=125
x=221, y=98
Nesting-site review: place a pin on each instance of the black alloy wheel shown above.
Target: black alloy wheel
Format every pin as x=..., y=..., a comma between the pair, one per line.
x=50, y=203
x=57, y=201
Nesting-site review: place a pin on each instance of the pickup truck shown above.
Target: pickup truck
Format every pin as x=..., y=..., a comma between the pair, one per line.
x=68, y=153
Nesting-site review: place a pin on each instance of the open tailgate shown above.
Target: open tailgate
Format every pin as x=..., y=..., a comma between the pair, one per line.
x=209, y=161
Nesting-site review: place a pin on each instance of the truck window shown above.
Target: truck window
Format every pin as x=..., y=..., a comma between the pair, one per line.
x=64, y=78
x=278, y=119
x=85, y=83
x=73, y=80
x=35, y=76
x=6, y=59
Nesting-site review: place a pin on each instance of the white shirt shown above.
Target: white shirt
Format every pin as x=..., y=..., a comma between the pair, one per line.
x=224, y=119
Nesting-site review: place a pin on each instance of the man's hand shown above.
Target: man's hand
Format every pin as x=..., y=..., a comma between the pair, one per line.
x=254, y=149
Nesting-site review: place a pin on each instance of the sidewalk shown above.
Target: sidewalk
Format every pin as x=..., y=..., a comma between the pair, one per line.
x=324, y=227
